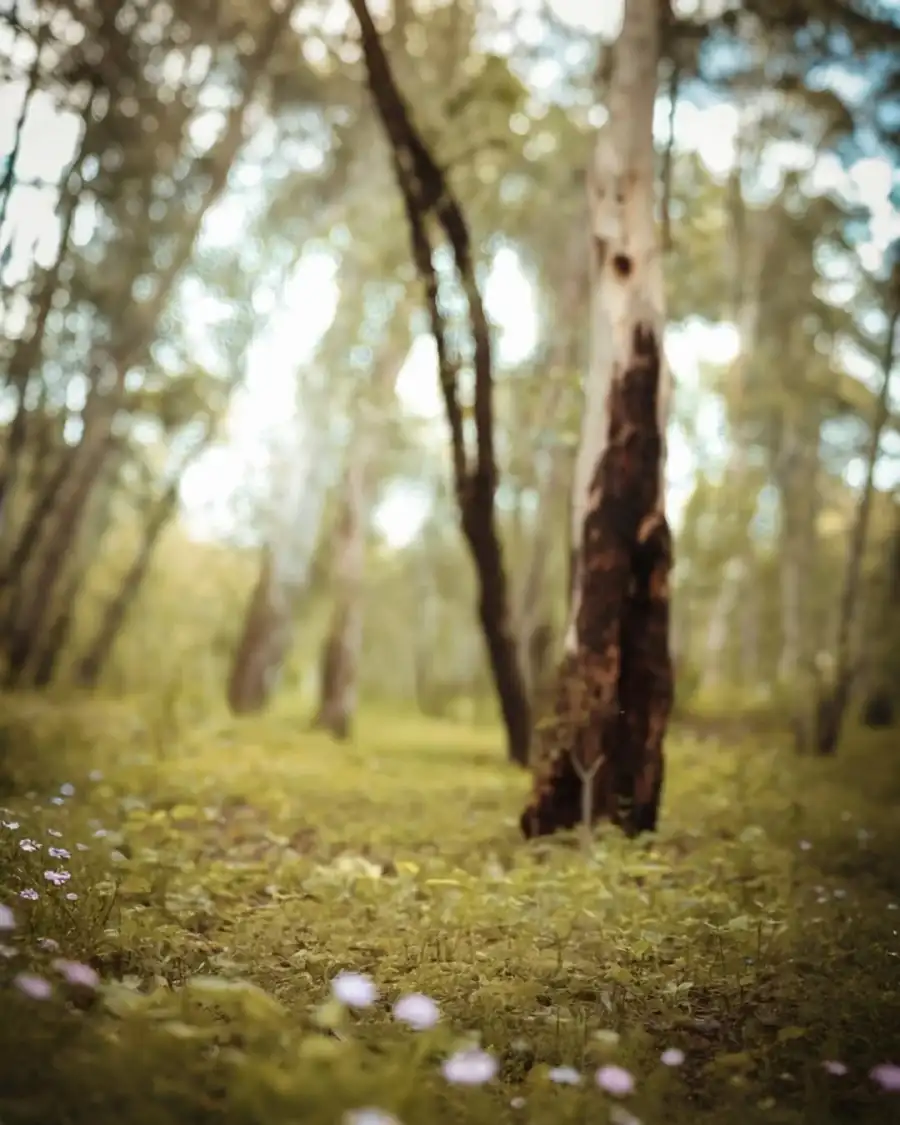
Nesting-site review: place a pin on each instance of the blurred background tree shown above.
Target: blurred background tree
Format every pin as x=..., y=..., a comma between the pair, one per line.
x=225, y=467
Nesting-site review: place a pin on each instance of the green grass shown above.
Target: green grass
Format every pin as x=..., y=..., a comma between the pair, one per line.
x=246, y=864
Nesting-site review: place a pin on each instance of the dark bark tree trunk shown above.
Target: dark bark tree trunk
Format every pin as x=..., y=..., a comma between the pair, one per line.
x=615, y=691
x=601, y=754
x=264, y=643
x=338, y=681
x=427, y=193
x=834, y=707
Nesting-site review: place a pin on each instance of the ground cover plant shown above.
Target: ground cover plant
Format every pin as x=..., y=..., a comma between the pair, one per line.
x=242, y=922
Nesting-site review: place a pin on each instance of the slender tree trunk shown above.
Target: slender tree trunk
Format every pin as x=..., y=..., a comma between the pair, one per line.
x=264, y=643
x=342, y=650
x=428, y=194
x=46, y=655
x=833, y=709
x=28, y=351
x=303, y=473
x=602, y=755
x=93, y=660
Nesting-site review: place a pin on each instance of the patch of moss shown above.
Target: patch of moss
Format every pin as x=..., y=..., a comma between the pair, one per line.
x=234, y=868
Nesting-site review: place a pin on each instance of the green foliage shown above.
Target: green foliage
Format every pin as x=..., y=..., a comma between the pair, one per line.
x=244, y=865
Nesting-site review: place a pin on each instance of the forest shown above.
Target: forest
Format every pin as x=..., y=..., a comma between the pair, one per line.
x=449, y=562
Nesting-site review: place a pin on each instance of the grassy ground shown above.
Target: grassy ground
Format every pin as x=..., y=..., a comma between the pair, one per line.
x=234, y=870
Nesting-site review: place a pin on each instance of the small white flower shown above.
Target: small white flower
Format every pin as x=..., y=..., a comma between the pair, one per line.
x=82, y=847
x=100, y=833
x=59, y=853
x=53, y=832
x=29, y=894
x=615, y=1080
x=48, y=944
x=7, y=919
x=417, y=1010
x=57, y=878
x=71, y=896
x=369, y=1115
x=354, y=989
x=672, y=1056
x=116, y=856
x=833, y=1066
x=805, y=846
x=67, y=789
x=517, y=1102
x=564, y=1076
x=471, y=1067
x=28, y=845
x=96, y=775
x=12, y=825
x=57, y=801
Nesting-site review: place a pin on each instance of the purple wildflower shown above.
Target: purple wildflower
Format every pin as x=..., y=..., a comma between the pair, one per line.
x=887, y=1075
x=615, y=1080
x=34, y=986
x=77, y=973
x=470, y=1067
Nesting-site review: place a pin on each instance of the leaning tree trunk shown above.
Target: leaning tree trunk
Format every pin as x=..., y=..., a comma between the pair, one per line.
x=602, y=753
x=832, y=708
x=427, y=194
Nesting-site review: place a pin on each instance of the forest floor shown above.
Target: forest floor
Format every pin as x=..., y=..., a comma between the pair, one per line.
x=226, y=874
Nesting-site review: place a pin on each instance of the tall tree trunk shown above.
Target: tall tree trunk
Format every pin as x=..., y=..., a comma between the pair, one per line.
x=602, y=755
x=831, y=712
x=45, y=657
x=427, y=193
x=96, y=654
x=27, y=354
x=882, y=698
x=303, y=473
x=341, y=654
x=718, y=630
x=265, y=641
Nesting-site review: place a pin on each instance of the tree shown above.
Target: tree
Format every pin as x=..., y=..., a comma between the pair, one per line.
x=427, y=194
x=602, y=751
x=831, y=709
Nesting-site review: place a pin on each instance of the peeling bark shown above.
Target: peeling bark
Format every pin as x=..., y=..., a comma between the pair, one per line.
x=601, y=754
